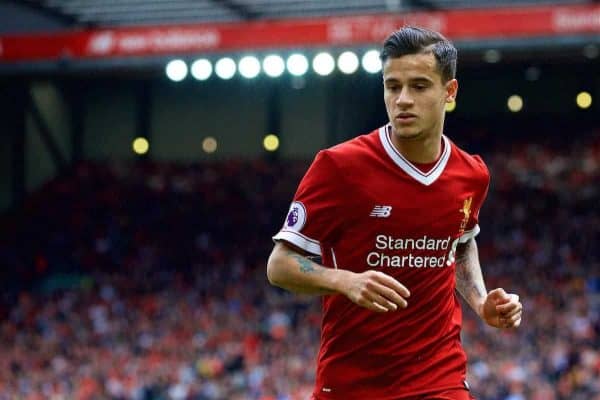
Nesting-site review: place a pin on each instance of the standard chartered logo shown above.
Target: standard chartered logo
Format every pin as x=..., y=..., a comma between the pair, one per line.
x=381, y=258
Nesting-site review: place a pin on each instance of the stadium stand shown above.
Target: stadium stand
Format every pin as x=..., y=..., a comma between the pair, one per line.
x=147, y=281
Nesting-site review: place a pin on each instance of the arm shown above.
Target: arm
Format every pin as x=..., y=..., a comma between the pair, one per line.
x=469, y=279
x=289, y=268
x=496, y=308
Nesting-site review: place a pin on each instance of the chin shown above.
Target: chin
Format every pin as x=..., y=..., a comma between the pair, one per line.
x=407, y=134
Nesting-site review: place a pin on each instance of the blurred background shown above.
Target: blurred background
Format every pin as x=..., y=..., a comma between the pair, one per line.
x=149, y=150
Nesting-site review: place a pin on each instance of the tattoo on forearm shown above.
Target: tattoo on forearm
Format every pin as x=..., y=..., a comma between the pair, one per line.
x=469, y=279
x=306, y=265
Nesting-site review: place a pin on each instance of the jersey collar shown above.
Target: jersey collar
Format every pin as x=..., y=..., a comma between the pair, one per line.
x=425, y=178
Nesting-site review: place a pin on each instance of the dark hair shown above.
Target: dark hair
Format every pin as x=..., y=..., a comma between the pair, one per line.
x=414, y=40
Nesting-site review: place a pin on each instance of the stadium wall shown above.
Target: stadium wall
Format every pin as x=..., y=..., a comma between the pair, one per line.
x=39, y=166
x=307, y=113
x=5, y=172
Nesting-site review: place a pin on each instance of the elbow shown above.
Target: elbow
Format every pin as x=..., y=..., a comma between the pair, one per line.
x=279, y=267
x=272, y=271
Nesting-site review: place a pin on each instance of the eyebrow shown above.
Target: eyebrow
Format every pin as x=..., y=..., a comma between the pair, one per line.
x=419, y=79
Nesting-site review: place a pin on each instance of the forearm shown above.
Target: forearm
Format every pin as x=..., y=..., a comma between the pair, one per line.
x=469, y=278
x=297, y=273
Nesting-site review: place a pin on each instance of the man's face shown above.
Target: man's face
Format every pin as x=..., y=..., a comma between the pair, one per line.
x=415, y=96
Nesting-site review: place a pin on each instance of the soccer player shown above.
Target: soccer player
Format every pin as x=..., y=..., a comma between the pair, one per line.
x=384, y=227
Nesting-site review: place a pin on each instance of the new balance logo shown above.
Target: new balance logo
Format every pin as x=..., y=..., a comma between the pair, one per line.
x=381, y=211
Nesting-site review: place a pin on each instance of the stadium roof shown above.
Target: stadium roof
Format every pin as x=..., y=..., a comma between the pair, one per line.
x=73, y=13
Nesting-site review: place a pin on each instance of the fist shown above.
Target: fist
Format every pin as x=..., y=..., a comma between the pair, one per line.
x=501, y=309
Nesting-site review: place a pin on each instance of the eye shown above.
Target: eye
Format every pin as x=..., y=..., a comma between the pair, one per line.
x=420, y=86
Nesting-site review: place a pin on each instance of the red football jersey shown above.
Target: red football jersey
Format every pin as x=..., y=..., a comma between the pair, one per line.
x=361, y=206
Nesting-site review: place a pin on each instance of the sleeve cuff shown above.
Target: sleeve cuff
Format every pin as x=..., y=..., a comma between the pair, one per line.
x=299, y=240
x=468, y=235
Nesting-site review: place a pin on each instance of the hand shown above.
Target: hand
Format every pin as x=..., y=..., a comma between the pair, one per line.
x=501, y=310
x=374, y=290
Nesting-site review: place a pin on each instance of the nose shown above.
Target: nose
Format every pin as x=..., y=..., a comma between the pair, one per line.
x=404, y=98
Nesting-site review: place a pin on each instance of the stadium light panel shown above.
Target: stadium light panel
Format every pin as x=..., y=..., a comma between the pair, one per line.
x=176, y=70
x=271, y=142
x=348, y=62
x=532, y=74
x=492, y=56
x=249, y=67
x=140, y=145
x=273, y=65
x=515, y=103
x=201, y=69
x=297, y=64
x=209, y=144
x=584, y=100
x=323, y=64
x=591, y=51
x=225, y=68
x=371, y=62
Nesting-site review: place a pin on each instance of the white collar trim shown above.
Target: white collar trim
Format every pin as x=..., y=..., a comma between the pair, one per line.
x=425, y=178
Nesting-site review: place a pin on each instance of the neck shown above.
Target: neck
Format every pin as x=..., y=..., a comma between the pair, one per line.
x=421, y=150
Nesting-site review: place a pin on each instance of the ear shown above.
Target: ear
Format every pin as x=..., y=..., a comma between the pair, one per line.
x=451, y=90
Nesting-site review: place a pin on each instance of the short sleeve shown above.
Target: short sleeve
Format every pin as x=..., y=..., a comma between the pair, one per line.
x=472, y=206
x=313, y=217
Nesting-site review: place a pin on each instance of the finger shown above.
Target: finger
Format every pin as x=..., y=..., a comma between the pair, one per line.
x=380, y=300
x=512, y=321
x=514, y=318
x=507, y=312
x=498, y=295
x=390, y=295
x=513, y=302
x=392, y=283
x=378, y=308
x=514, y=324
x=372, y=306
x=507, y=308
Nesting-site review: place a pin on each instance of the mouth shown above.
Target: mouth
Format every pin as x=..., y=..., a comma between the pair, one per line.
x=405, y=118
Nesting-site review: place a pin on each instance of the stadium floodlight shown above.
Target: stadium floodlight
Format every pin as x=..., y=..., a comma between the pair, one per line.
x=515, y=103
x=249, y=67
x=209, y=144
x=273, y=65
x=140, y=145
x=584, y=100
x=323, y=64
x=371, y=62
x=297, y=64
x=271, y=142
x=201, y=69
x=176, y=70
x=348, y=62
x=225, y=68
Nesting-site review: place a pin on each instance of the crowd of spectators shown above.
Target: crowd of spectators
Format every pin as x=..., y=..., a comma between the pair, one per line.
x=147, y=280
